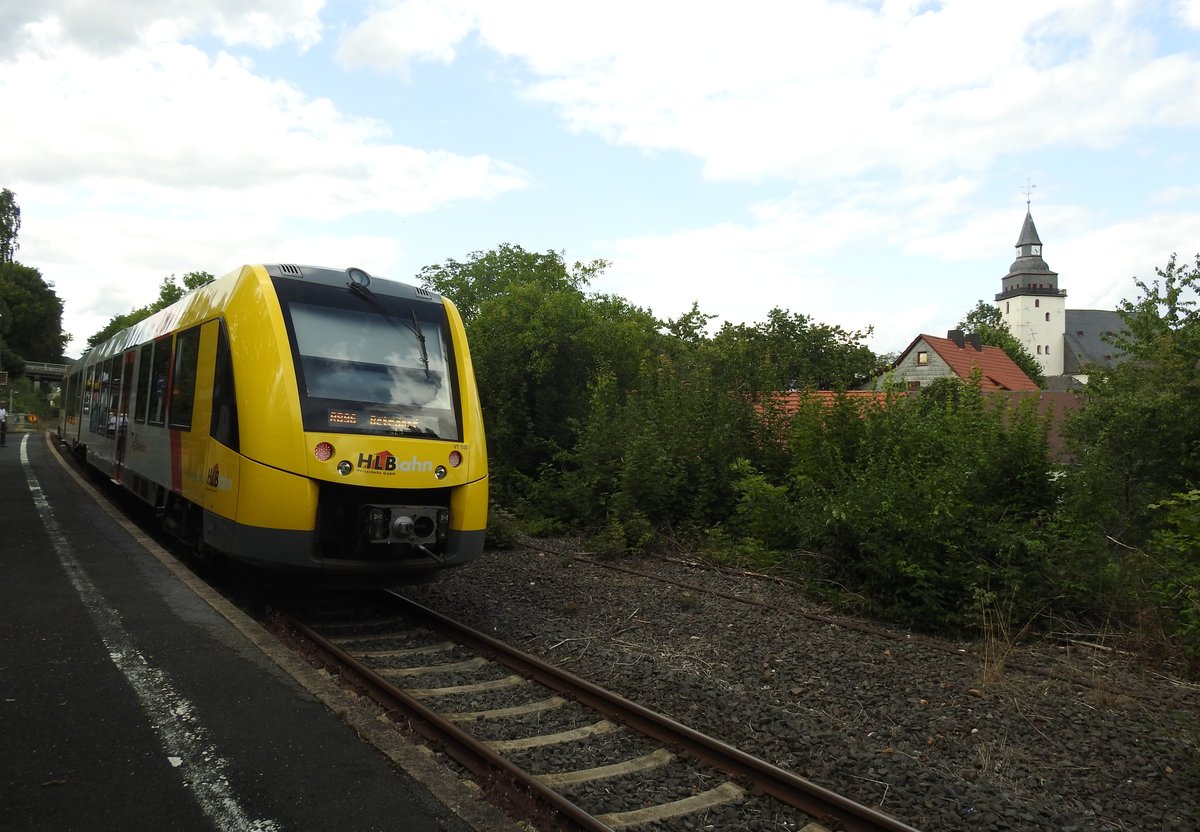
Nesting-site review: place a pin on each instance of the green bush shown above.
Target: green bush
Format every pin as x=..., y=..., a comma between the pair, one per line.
x=1173, y=583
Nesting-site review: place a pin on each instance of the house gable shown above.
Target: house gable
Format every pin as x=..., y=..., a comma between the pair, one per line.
x=929, y=358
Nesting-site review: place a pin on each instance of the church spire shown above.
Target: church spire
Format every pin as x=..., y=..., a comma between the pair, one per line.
x=1029, y=274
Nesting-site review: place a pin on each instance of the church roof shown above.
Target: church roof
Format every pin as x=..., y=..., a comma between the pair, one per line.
x=1029, y=235
x=1084, y=339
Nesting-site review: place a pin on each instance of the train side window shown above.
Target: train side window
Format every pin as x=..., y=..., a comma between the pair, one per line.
x=183, y=379
x=141, y=401
x=157, y=409
x=224, y=427
x=109, y=384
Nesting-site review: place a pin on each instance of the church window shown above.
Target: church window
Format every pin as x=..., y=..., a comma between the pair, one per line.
x=1039, y=349
x=1047, y=349
x=1037, y=302
x=1006, y=310
x=1047, y=316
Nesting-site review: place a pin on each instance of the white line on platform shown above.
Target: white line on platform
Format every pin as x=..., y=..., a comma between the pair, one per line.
x=172, y=715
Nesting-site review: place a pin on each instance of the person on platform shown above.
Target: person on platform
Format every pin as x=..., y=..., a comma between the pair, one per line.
x=3, y=426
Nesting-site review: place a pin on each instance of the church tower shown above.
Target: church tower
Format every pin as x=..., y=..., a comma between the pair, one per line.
x=1031, y=304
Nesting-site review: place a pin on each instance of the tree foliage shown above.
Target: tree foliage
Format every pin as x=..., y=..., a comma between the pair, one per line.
x=10, y=224
x=920, y=502
x=1137, y=435
x=925, y=508
x=31, y=313
x=487, y=275
x=169, y=291
x=986, y=321
x=537, y=342
x=790, y=351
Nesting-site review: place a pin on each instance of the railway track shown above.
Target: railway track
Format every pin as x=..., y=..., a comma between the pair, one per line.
x=562, y=750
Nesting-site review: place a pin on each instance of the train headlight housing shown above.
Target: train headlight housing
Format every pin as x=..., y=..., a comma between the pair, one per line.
x=440, y=472
x=323, y=451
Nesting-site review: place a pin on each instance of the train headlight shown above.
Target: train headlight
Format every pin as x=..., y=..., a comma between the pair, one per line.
x=344, y=467
x=455, y=459
x=323, y=451
x=440, y=472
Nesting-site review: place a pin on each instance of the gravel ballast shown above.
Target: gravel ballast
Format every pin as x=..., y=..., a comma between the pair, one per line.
x=901, y=723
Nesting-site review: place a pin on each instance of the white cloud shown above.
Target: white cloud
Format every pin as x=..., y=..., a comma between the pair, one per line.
x=395, y=36
x=173, y=120
x=820, y=89
x=1188, y=12
x=115, y=25
x=175, y=159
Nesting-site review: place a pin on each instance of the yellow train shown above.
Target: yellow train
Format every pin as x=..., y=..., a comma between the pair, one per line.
x=298, y=418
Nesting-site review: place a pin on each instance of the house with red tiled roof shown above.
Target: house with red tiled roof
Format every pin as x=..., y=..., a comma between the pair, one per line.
x=957, y=355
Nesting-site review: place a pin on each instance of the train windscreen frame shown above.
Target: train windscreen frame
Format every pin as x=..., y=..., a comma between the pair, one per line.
x=371, y=363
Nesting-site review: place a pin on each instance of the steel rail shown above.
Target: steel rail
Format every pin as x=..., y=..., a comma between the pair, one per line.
x=783, y=785
x=457, y=743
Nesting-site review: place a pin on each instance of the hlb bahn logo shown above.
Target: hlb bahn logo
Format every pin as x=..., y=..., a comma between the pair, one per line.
x=385, y=462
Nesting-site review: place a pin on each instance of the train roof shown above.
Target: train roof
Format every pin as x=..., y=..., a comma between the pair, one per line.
x=217, y=293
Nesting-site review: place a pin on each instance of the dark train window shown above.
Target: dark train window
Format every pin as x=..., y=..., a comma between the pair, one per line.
x=91, y=398
x=141, y=401
x=183, y=379
x=157, y=409
x=110, y=382
x=224, y=427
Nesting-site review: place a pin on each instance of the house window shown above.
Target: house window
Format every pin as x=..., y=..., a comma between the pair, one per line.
x=922, y=358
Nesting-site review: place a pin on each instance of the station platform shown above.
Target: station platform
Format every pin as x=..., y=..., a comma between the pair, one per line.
x=133, y=697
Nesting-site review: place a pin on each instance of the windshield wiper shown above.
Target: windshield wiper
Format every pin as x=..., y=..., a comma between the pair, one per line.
x=414, y=327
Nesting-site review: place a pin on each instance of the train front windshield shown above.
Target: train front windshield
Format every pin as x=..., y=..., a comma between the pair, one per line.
x=372, y=363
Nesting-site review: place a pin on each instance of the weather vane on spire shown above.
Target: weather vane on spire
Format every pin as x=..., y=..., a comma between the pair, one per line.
x=1028, y=192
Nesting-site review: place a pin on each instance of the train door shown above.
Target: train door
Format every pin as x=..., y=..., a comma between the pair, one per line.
x=222, y=465
x=72, y=405
x=125, y=382
x=201, y=408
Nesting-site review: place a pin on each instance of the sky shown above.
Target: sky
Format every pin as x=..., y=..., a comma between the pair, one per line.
x=864, y=163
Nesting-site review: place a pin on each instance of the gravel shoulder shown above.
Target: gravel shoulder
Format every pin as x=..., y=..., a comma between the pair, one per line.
x=905, y=724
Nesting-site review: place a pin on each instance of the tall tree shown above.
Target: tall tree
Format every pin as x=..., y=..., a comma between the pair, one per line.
x=537, y=342
x=492, y=273
x=986, y=321
x=1137, y=436
x=790, y=351
x=169, y=291
x=10, y=224
x=32, y=315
